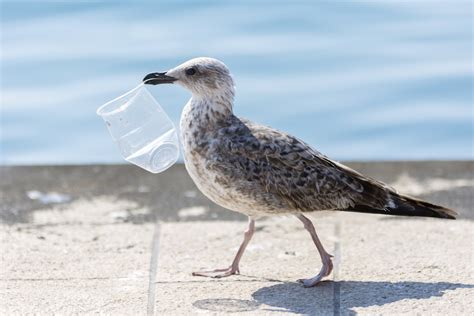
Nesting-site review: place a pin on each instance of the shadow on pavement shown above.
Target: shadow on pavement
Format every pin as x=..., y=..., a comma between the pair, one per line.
x=345, y=295
x=228, y=305
x=292, y=297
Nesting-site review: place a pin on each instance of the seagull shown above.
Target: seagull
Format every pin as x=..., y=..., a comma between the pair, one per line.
x=260, y=171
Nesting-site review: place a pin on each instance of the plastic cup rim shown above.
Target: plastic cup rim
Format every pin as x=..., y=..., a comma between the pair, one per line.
x=101, y=110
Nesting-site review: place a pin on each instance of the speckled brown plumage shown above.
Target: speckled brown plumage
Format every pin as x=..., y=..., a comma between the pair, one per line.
x=281, y=174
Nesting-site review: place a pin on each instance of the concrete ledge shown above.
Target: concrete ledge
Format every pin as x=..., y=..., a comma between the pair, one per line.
x=449, y=183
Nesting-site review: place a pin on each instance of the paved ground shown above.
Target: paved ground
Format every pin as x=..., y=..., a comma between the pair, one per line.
x=116, y=240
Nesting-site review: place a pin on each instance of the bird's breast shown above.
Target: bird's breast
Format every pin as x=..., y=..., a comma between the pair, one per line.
x=216, y=172
x=197, y=141
x=198, y=156
x=217, y=178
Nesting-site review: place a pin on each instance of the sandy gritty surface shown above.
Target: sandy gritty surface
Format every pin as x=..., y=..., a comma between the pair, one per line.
x=92, y=249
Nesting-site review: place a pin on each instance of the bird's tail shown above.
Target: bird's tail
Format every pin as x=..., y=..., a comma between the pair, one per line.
x=407, y=206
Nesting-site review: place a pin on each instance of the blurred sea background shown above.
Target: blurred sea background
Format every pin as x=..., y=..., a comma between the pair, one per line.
x=359, y=80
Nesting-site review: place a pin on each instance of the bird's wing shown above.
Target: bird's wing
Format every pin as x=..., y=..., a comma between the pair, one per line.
x=298, y=174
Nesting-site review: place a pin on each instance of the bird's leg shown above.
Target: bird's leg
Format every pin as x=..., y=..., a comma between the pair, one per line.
x=234, y=267
x=325, y=257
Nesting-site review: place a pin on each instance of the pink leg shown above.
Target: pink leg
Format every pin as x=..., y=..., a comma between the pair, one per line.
x=325, y=257
x=234, y=268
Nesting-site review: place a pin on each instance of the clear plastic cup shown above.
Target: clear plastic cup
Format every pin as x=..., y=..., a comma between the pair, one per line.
x=143, y=132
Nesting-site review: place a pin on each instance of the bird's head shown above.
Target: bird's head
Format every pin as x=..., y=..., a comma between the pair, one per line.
x=204, y=77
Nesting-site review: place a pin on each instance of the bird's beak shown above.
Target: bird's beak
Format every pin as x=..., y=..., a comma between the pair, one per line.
x=158, y=78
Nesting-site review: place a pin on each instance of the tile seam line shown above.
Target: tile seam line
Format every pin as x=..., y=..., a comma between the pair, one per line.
x=337, y=262
x=153, y=269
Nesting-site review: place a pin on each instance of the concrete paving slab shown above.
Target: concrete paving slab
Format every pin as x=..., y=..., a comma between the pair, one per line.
x=81, y=259
x=397, y=266
x=280, y=253
x=117, y=296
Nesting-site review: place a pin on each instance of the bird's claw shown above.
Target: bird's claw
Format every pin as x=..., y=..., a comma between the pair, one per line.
x=312, y=281
x=325, y=271
x=218, y=273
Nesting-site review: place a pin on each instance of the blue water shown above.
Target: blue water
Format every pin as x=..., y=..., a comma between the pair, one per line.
x=358, y=80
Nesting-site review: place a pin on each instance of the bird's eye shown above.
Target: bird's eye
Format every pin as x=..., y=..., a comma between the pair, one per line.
x=190, y=71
